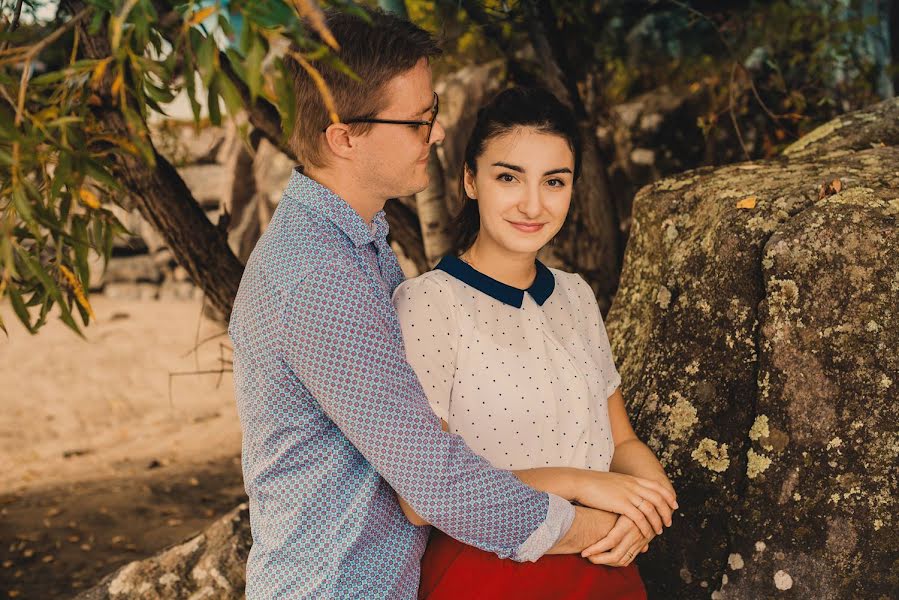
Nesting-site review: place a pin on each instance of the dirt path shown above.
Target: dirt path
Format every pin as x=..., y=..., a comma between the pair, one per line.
x=60, y=540
x=103, y=457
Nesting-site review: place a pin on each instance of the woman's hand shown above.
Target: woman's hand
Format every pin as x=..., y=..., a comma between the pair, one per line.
x=620, y=547
x=648, y=504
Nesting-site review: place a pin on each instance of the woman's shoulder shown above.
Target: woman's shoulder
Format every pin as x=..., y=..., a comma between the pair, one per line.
x=573, y=284
x=430, y=284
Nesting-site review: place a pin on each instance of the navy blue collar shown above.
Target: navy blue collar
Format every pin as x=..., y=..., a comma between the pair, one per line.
x=540, y=290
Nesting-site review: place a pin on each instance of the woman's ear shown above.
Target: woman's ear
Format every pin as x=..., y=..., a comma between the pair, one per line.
x=471, y=189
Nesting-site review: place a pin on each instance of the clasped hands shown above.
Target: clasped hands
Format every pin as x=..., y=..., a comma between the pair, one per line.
x=643, y=507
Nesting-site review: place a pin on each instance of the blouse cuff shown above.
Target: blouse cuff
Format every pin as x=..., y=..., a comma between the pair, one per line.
x=559, y=517
x=613, y=383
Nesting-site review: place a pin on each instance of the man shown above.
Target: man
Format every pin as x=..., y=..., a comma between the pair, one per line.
x=335, y=421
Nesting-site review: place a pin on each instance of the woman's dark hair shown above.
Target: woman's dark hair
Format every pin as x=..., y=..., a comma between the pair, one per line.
x=516, y=107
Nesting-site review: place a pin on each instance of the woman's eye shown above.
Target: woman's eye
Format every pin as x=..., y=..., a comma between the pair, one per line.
x=556, y=183
x=506, y=178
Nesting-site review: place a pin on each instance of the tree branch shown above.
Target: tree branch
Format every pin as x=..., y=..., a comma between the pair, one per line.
x=165, y=201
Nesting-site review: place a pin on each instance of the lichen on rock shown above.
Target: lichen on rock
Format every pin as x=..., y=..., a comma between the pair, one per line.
x=756, y=464
x=681, y=417
x=711, y=456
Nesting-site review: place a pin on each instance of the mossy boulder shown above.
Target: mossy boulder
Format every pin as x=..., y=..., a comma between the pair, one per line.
x=757, y=336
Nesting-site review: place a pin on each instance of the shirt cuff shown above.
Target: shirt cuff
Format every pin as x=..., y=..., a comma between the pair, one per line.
x=559, y=517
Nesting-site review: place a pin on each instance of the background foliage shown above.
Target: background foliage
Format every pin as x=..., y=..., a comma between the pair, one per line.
x=761, y=73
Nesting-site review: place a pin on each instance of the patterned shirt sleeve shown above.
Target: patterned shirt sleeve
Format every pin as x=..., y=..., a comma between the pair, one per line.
x=346, y=348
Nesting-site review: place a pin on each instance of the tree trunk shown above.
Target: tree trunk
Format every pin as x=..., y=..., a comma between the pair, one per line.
x=433, y=213
x=164, y=200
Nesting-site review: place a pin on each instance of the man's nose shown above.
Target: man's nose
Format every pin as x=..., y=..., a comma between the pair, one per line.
x=438, y=133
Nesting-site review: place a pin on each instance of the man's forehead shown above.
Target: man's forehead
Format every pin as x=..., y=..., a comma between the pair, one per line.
x=411, y=92
x=411, y=105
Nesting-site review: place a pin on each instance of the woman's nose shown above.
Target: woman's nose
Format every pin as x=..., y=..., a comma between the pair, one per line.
x=530, y=204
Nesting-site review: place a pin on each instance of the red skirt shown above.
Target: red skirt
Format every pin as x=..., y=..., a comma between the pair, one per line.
x=451, y=570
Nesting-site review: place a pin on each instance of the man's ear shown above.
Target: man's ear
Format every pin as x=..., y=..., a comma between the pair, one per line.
x=471, y=188
x=339, y=140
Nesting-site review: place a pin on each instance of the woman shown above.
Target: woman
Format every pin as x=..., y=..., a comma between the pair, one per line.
x=514, y=358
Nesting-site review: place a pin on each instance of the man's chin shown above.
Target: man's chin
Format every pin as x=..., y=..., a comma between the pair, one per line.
x=420, y=185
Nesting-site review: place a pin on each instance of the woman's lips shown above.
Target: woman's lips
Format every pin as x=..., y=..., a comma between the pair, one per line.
x=527, y=227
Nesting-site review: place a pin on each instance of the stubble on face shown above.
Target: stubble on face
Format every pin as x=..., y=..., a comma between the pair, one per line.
x=396, y=155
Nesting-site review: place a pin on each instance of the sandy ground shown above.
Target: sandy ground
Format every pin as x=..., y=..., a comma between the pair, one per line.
x=104, y=455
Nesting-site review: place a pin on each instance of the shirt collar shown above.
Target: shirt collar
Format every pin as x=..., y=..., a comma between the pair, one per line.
x=540, y=290
x=311, y=193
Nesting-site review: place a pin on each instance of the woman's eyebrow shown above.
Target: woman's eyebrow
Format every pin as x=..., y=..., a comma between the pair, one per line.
x=562, y=170
x=521, y=170
x=508, y=166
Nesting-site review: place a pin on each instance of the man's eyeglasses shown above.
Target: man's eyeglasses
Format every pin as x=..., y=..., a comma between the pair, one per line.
x=429, y=124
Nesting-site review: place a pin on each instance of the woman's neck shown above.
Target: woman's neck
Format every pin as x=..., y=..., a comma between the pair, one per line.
x=512, y=268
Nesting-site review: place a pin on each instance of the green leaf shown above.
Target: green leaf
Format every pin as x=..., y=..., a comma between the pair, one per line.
x=46, y=304
x=230, y=95
x=212, y=104
x=237, y=63
x=271, y=15
x=20, y=201
x=159, y=94
x=206, y=60
x=38, y=297
x=226, y=27
x=152, y=104
x=341, y=66
x=51, y=77
x=99, y=173
x=108, y=239
x=190, y=83
x=65, y=314
x=38, y=271
x=255, y=56
x=287, y=105
x=61, y=176
x=81, y=245
x=7, y=256
x=19, y=308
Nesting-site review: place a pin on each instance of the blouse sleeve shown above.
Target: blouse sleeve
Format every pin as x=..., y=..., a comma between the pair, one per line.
x=605, y=359
x=431, y=338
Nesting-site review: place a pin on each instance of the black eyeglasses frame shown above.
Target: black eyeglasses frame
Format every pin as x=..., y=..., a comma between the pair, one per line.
x=429, y=124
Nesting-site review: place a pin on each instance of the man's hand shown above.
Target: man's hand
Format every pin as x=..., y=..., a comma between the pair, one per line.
x=620, y=547
x=649, y=504
x=589, y=525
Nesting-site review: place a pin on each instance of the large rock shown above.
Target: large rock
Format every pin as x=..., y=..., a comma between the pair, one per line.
x=211, y=566
x=759, y=353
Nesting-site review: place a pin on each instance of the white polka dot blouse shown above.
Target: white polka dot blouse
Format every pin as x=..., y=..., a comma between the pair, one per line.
x=523, y=376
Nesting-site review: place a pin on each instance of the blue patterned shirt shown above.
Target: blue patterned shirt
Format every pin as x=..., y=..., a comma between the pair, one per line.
x=335, y=422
